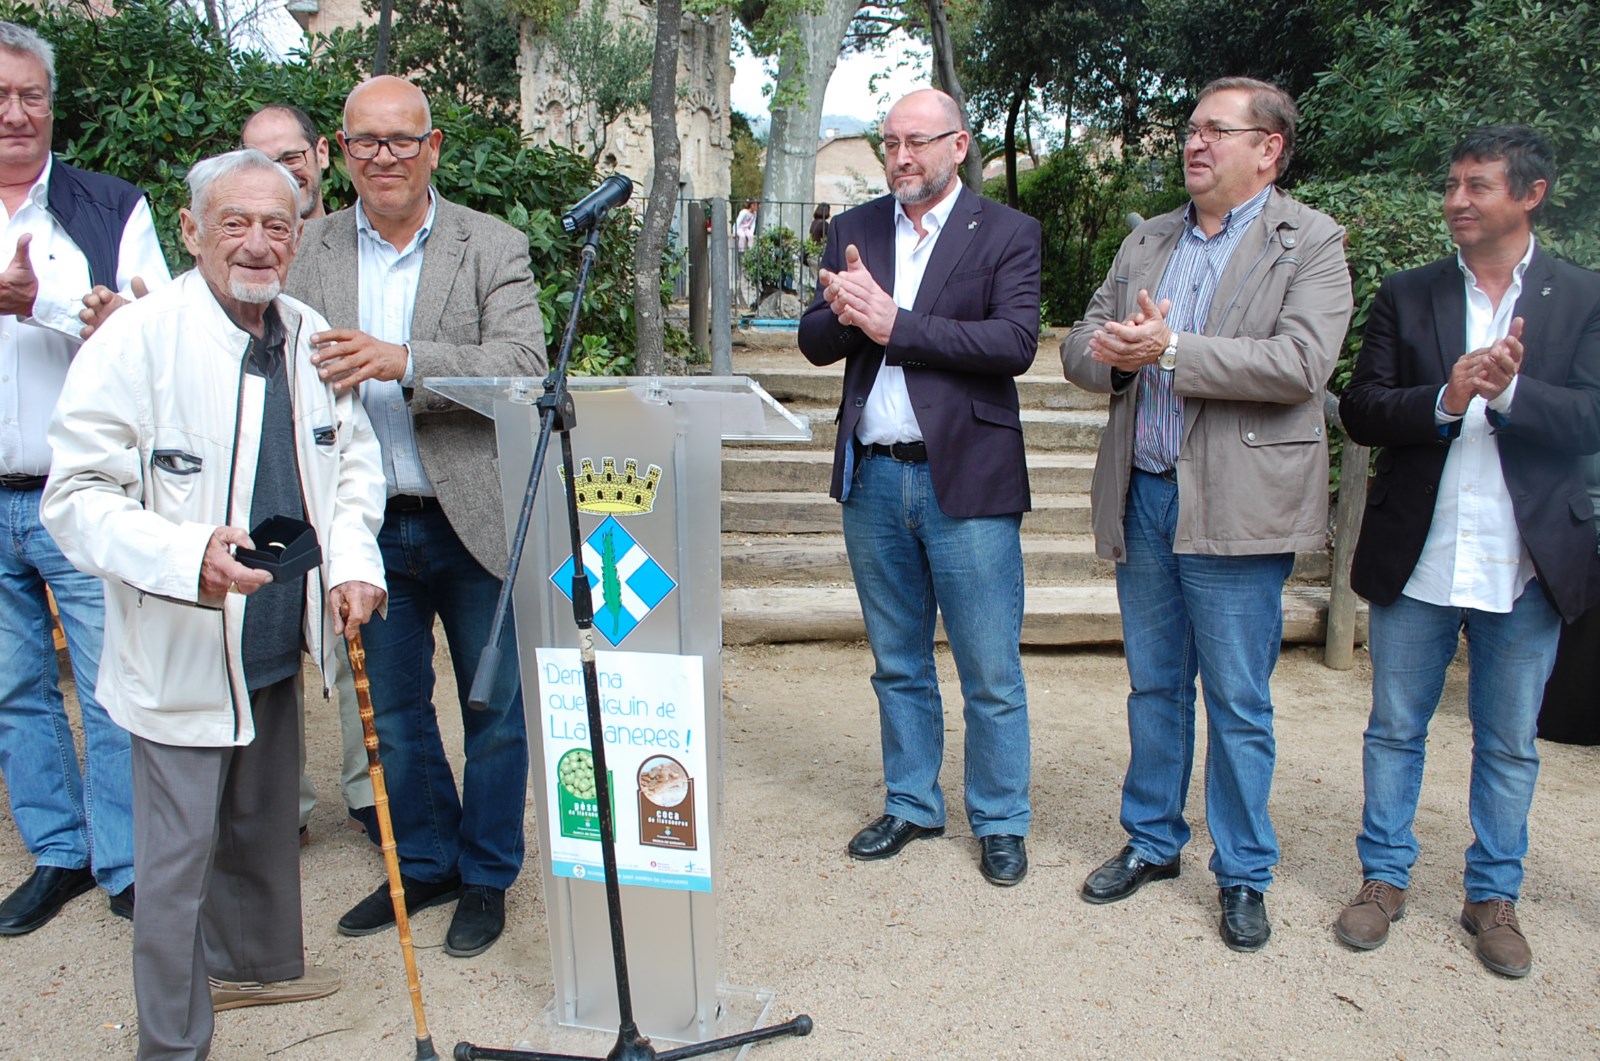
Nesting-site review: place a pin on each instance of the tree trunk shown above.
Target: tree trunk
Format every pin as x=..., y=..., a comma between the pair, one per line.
x=1017, y=99
x=380, y=60
x=944, y=68
x=649, y=322
x=804, y=69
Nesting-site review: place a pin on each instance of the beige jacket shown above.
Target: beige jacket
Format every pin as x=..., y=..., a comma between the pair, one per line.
x=1253, y=466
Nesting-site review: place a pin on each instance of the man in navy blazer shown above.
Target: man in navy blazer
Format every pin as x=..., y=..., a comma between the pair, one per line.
x=930, y=295
x=1479, y=376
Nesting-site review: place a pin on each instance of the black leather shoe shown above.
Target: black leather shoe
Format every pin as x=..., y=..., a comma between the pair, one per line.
x=376, y=912
x=1004, y=859
x=1121, y=876
x=885, y=837
x=41, y=897
x=480, y=918
x=1244, y=918
x=122, y=903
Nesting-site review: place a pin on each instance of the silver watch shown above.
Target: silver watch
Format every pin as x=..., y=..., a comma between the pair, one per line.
x=1169, y=356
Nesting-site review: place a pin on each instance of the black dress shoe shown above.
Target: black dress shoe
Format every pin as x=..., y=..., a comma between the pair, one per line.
x=122, y=903
x=1121, y=876
x=479, y=920
x=376, y=912
x=1244, y=918
x=41, y=897
x=1004, y=859
x=885, y=837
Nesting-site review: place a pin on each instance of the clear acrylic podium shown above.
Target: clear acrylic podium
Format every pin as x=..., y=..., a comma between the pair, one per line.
x=648, y=452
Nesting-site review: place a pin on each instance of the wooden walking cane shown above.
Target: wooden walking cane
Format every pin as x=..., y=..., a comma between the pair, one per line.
x=391, y=859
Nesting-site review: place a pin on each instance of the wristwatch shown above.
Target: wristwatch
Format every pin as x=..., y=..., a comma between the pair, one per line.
x=1169, y=356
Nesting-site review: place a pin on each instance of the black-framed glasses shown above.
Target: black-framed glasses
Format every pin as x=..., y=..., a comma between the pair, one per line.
x=400, y=147
x=293, y=159
x=917, y=144
x=1210, y=134
x=34, y=103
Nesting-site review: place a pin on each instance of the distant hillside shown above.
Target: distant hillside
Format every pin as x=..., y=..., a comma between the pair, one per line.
x=842, y=124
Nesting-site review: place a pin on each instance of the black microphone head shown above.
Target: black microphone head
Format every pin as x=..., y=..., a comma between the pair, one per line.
x=592, y=208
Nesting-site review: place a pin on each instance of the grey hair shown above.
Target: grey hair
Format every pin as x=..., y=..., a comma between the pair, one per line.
x=15, y=38
x=203, y=175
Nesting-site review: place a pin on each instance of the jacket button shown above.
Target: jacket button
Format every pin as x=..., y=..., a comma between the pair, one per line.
x=1116, y=552
x=1249, y=436
x=860, y=402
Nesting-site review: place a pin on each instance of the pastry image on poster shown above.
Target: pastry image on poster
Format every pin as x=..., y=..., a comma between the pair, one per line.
x=666, y=804
x=579, y=811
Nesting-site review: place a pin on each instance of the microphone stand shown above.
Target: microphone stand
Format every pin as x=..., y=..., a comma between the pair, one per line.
x=557, y=413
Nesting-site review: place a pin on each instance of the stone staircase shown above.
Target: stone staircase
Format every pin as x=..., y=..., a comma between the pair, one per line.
x=785, y=575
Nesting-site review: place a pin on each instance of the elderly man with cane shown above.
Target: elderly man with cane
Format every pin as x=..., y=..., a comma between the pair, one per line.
x=188, y=417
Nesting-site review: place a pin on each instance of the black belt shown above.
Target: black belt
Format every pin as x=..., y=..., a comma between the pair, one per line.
x=910, y=452
x=22, y=482
x=411, y=503
x=1170, y=475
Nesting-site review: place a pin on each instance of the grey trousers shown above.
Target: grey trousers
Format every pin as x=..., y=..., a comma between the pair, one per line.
x=354, y=780
x=218, y=867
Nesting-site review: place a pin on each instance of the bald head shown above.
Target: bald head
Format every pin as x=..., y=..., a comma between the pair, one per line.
x=929, y=106
x=383, y=92
x=923, y=142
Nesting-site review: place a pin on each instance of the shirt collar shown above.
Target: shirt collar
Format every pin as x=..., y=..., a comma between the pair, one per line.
x=937, y=214
x=1516, y=271
x=39, y=194
x=1240, y=215
x=364, y=226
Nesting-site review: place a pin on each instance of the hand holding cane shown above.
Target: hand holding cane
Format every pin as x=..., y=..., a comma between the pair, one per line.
x=391, y=859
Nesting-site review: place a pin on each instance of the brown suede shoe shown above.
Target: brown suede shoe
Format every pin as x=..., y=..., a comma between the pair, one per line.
x=1501, y=944
x=1364, y=922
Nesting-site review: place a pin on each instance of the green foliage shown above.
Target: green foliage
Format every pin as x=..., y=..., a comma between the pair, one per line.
x=144, y=93
x=745, y=178
x=606, y=66
x=1081, y=197
x=1406, y=82
x=465, y=50
x=772, y=262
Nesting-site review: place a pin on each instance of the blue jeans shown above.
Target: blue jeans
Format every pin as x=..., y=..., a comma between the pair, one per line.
x=437, y=832
x=1220, y=617
x=68, y=817
x=910, y=562
x=1511, y=654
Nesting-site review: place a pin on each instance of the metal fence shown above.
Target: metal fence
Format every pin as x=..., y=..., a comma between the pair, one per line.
x=770, y=213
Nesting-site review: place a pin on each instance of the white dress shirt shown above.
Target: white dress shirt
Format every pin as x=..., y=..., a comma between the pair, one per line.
x=388, y=288
x=888, y=417
x=36, y=351
x=1474, y=556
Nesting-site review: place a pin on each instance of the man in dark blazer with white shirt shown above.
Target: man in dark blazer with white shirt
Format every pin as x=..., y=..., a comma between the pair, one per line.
x=1479, y=376
x=930, y=295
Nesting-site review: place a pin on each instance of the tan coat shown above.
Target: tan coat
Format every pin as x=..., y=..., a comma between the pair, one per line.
x=1253, y=465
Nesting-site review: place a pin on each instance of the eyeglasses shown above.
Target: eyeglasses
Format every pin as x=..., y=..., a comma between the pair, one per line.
x=35, y=103
x=400, y=147
x=294, y=159
x=1210, y=134
x=917, y=144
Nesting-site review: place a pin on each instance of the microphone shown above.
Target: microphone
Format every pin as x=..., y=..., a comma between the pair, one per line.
x=592, y=208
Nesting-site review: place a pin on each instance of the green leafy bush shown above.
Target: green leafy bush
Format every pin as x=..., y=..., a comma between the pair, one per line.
x=773, y=261
x=145, y=92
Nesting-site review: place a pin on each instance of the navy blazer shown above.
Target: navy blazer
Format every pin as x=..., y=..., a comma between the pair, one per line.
x=973, y=328
x=1415, y=334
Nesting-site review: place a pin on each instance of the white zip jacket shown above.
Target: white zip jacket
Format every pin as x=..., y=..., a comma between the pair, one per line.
x=154, y=445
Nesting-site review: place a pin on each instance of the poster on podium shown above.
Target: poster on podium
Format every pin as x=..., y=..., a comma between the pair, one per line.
x=653, y=705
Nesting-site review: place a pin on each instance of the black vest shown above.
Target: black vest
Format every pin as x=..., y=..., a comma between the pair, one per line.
x=94, y=209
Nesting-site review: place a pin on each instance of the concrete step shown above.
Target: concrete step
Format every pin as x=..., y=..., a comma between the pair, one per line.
x=809, y=470
x=786, y=512
x=820, y=560
x=1056, y=616
x=807, y=385
x=1044, y=431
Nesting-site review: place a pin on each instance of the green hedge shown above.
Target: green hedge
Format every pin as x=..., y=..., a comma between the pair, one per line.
x=145, y=92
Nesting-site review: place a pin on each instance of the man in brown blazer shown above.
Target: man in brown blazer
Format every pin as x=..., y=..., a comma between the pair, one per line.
x=418, y=288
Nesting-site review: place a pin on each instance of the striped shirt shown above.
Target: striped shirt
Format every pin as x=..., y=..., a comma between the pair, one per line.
x=1190, y=281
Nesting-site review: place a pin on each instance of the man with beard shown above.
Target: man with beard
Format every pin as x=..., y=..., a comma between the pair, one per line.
x=189, y=416
x=1214, y=333
x=930, y=295
x=286, y=134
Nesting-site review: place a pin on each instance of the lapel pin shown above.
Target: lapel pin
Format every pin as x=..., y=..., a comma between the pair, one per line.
x=1544, y=291
x=971, y=225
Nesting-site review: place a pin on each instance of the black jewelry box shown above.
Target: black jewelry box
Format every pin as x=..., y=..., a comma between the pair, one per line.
x=285, y=547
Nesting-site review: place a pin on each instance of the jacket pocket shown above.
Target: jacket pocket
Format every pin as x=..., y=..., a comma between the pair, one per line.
x=1000, y=415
